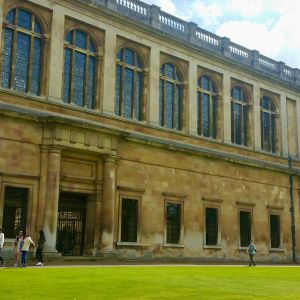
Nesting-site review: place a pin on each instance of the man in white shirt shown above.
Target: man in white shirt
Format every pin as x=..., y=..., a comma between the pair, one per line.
x=1, y=246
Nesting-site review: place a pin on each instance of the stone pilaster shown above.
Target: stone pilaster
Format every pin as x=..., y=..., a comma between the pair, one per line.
x=51, y=213
x=42, y=187
x=226, y=107
x=192, y=98
x=284, y=125
x=108, y=205
x=56, y=53
x=1, y=20
x=256, y=117
x=153, y=103
x=298, y=124
x=109, y=71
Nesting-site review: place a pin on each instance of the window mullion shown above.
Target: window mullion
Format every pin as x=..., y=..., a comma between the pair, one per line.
x=210, y=115
x=242, y=124
x=123, y=69
x=133, y=97
x=174, y=107
x=164, y=101
x=31, y=53
x=201, y=113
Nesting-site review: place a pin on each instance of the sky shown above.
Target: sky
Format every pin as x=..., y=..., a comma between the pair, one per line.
x=270, y=26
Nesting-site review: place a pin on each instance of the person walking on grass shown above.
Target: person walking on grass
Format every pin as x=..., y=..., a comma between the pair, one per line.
x=27, y=241
x=40, y=248
x=1, y=246
x=252, y=252
x=17, y=248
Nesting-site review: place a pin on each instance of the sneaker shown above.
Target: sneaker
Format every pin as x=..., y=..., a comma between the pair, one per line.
x=38, y=264
x=15, y=265
x=3, y=265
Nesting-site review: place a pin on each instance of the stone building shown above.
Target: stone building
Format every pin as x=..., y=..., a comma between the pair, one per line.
x=127, y=132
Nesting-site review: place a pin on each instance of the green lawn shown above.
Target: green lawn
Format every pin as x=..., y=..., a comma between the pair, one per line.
x=160, y=282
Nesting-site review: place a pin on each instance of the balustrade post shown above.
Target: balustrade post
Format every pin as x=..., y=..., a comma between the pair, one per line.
x=296, y=76
x=111, y=4
x=255, y=59
x=225, y=47
x=154, y=16
x=281, y=67
x=192, y=30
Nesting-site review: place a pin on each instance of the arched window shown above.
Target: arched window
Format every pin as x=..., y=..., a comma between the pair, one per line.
x=239, y=116
x=22, y=52
x=207, y=108
x=129, y=85
x=79, y=69
x=171, y=97
x=268, y=124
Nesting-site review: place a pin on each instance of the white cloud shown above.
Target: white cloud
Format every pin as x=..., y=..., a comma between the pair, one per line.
x=249, y=9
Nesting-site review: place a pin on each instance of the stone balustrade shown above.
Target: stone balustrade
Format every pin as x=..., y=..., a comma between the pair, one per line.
x=153, y=16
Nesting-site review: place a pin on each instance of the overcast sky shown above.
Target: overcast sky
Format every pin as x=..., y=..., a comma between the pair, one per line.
x=269, y=26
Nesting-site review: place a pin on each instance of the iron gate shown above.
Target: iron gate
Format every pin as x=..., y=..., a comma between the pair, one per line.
x=71, y=224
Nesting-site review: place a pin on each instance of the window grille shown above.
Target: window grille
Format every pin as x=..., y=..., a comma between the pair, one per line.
x=211, y=226
x=129, y=223
x=173, y=216
x=275, y=231
x=245, y=228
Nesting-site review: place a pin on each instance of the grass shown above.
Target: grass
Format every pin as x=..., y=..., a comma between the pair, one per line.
x=159, y=282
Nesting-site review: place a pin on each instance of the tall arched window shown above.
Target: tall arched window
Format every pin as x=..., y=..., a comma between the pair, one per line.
x=79, y=69
x=171, y=97
x=129, y=85
x=268, y=124
x=207, y=107
x=22, y=52
x=239, y=116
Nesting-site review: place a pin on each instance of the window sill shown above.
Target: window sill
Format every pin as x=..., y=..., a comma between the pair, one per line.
x=130, y=244
x=276, y=250
x=242, y=249
x=216, y=247
x=173, y=245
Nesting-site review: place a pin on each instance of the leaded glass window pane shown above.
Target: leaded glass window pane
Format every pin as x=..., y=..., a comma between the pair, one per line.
x=7, y=57
x=24, y=19
x=171, y=97
x=80, y=69
x=129, y=85
x=118, y=89
x=22, y=62
x=21, y=73
x=91, y=83
x=128, y=92
x=67, y=75
x=36, y=67
x=273, y=129
x=139, y=95
x=81, y=39
x=245, y=111
x=205, y=83
x=173, y=216
x=205, y=114
x=169, y=104
x=79, y=77
x=238, y=118
x=11, y=16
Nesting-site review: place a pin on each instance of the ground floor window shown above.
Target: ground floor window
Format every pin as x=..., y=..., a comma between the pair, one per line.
x=15, y=210
x=245, y=228
x=211, y=222
x=173, y=222
x=275, y=231
x=129, y=222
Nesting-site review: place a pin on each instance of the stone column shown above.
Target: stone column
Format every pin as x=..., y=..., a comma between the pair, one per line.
x=97, y=223
x=42, y=187
x=226, y=107
x=153, y=105
x=284, y=125
x=51, y=213
x=108, y=205
x=109, y=72
x=1, y=19
x=192, y=96
x=256, y=117
x=56, y=53
x=298, y=124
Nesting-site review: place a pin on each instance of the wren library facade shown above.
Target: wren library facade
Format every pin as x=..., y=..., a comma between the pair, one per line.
x=126, y=132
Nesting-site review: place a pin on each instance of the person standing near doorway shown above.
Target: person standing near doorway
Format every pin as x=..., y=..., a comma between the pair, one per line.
x=17, y=248
x=27, y=241
x=252, y=252
x=1, y=246
x=40, y=248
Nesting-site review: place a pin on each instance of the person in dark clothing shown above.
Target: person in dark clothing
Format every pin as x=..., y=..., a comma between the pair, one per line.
x=40, y=248
x=251, y=251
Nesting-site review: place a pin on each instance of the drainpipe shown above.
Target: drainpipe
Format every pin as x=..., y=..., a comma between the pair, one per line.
x=292, y=210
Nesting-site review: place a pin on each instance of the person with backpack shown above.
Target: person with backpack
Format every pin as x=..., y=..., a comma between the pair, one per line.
x=252, y=252
x=27, y=241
